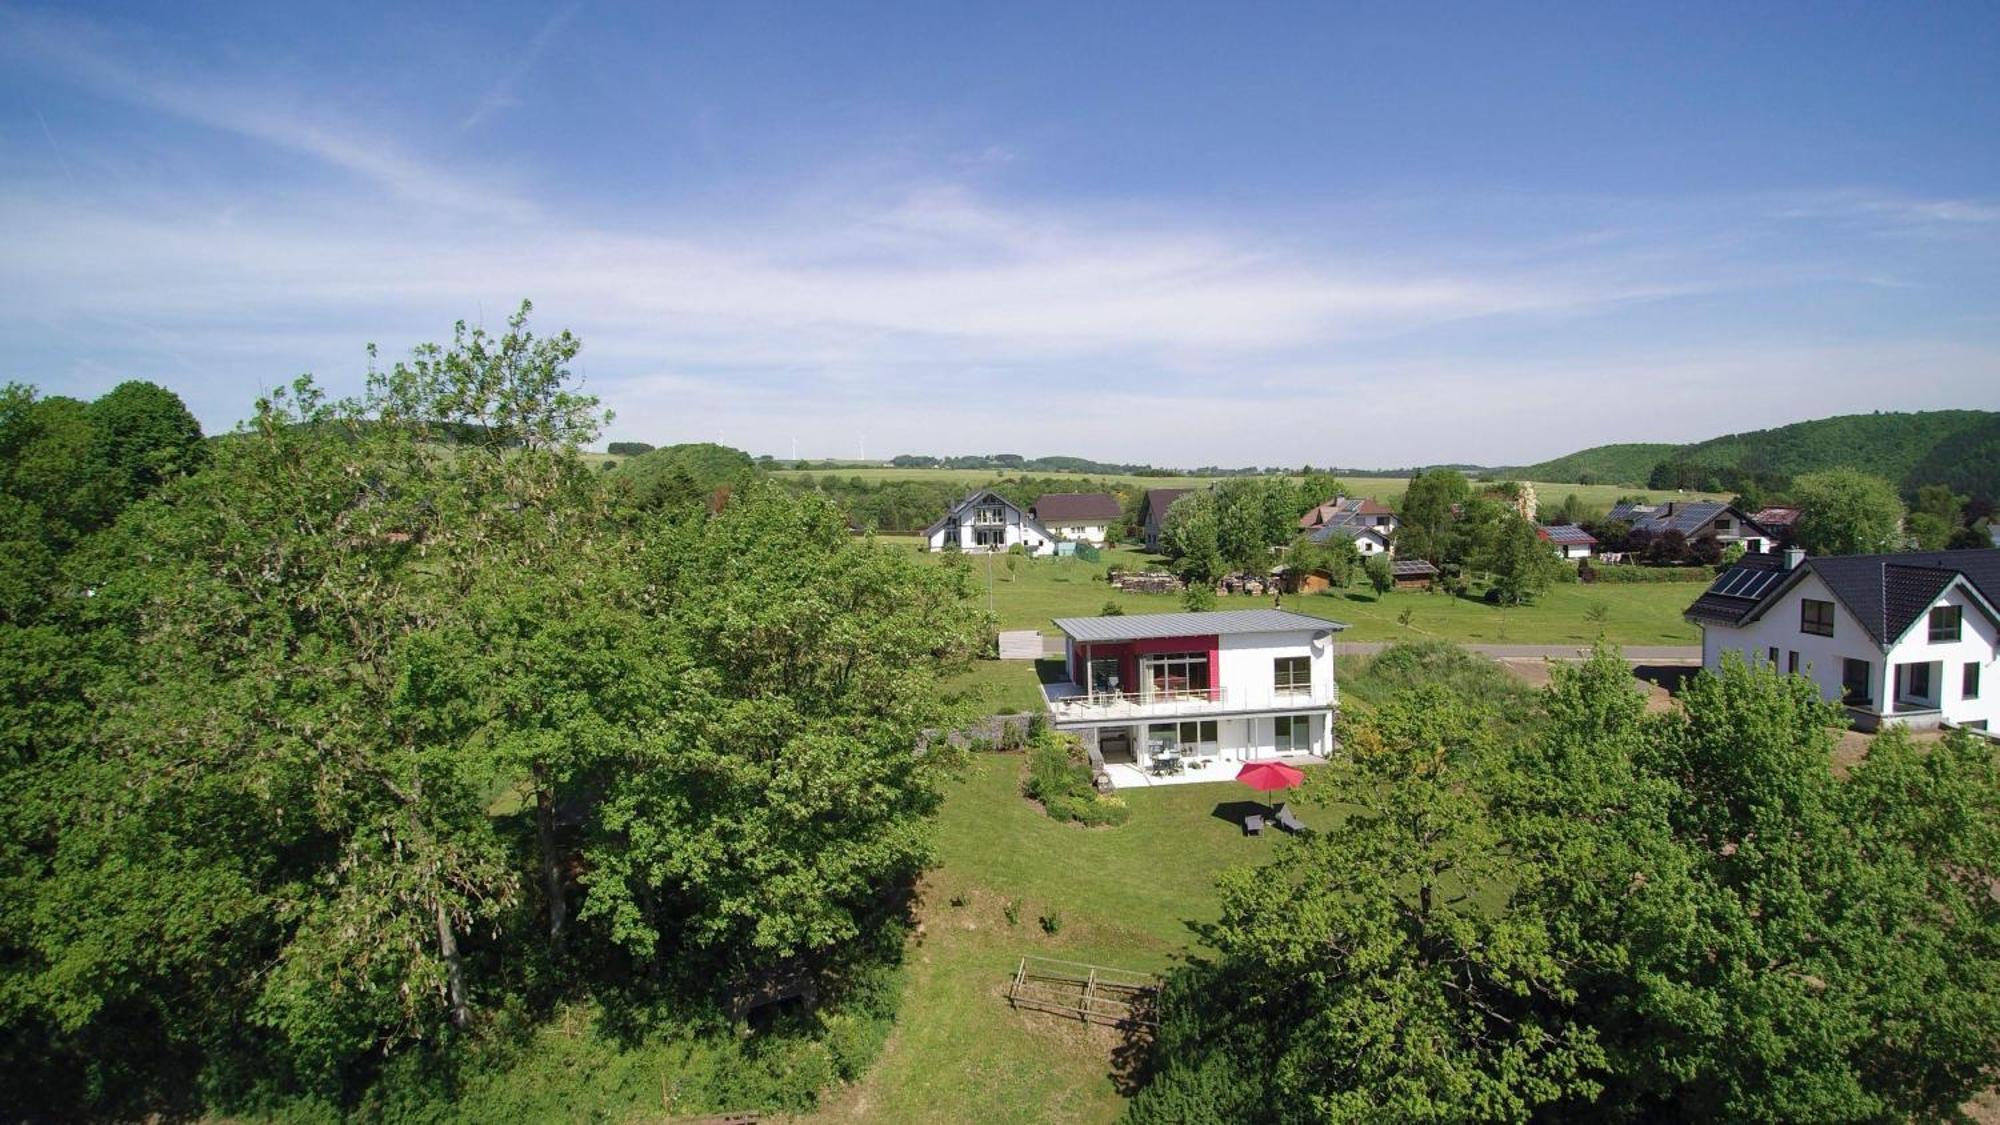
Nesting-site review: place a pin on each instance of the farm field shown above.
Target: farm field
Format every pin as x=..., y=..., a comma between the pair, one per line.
x=1387, y=489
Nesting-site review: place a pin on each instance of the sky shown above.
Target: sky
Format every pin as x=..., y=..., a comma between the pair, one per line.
x=1227, y=234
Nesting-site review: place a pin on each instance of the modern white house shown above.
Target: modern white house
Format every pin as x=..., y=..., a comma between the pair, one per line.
x=986, y=522
x=1166, y=697
x=1352, y=510
x=1568, y=540
x=1080, y=517
x=1898, y=639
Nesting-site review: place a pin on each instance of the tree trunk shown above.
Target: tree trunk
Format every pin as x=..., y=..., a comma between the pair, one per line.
x=454, y=971
x=552, y=877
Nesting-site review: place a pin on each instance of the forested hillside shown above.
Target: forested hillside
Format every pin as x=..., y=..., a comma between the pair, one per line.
x=1956, y=448
x=1630, y=463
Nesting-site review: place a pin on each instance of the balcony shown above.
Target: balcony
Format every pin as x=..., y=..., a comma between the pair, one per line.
x=1070, y=703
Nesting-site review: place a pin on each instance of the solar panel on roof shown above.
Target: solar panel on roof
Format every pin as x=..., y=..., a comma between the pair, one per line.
x=1761, y=581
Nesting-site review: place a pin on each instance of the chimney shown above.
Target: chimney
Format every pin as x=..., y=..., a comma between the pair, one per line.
x=1793, y=557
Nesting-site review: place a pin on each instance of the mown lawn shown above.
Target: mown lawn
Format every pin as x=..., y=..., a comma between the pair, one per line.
x=1125, y=897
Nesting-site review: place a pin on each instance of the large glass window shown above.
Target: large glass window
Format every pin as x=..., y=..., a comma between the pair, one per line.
x=1294, y=734
x=1816, y=617
x=1176, y=675
x=1945, y=624
x=1190, y=737
x=1854, y=677
x=1292, y=675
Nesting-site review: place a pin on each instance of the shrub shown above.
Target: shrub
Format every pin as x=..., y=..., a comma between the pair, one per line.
x=1111, y=609
x=1199, y=597
x=1051, y=923
x=1012, y=911
x=1059, y=777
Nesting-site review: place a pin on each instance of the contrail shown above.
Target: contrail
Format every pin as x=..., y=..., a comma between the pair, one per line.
x=71, y=176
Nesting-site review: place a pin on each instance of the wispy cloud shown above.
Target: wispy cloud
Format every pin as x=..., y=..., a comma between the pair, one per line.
x=98, y=59
x=501, y=95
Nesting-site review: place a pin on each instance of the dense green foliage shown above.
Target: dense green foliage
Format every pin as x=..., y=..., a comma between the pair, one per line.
x=1607, y=914
x=1059, y=777
x=675, y=475
x=1959, y=449
x=1845, y=512
x=1628, y=463
x=1950, y=447
x=337, y=764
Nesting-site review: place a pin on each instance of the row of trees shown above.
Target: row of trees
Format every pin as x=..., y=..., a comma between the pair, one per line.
x=337, y=745
x=1615, y=916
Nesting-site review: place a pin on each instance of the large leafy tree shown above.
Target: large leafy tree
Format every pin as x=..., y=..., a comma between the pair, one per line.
x=768, y=818
x=1372, y=971
x=1846, y=512
x=1424, y=528
x=145, y=437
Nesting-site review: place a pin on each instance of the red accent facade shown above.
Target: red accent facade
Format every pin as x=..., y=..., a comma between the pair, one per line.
x=1129, y=652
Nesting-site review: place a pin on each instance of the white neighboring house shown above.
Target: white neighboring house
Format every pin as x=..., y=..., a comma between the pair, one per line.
x=1694, y=519
x=987, y=522
x=1898, y=639
x=1081, y=517
x=1569, y=540
x=1367, y=540
x=1207, y=690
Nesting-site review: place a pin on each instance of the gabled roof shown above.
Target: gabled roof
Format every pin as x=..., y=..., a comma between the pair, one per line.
x=1886, y=593
x=1347, y=529
x=1144, y=626
x=1775, y=517
x=1684, y=516
x=1412, y=568
x=974, y=497
x=1566, y=535
x=1158, y=500
x=1343, y=508
x=1076, y=507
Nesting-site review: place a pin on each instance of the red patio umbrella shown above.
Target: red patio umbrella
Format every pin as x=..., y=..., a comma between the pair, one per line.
x=1267, y=776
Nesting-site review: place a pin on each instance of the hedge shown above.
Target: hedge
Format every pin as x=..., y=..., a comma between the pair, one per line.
x=1630, y=573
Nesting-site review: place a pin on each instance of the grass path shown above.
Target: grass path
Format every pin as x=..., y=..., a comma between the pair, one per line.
x=1125, y=897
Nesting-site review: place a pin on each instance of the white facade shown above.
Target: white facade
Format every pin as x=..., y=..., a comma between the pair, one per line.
x=1916, y=681
x=1255, y=705
x=988, y=523
x=1091, y=533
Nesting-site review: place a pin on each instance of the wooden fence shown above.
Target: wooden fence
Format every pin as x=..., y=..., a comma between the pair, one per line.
x=1090, y=993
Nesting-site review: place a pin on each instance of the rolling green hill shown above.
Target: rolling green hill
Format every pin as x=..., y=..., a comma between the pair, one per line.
x=1960, y=448
x=1630, y=463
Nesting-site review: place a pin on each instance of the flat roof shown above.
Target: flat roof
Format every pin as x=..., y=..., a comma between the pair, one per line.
x=1142, y=626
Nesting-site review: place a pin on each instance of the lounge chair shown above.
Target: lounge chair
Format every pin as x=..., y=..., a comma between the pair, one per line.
x=1287, y=821
x=1253, y=825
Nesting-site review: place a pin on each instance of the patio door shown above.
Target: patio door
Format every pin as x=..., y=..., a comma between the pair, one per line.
x=1293, y=734
x=1175, y=675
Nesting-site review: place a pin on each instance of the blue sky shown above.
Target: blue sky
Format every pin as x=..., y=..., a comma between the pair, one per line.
x=1227, y=234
